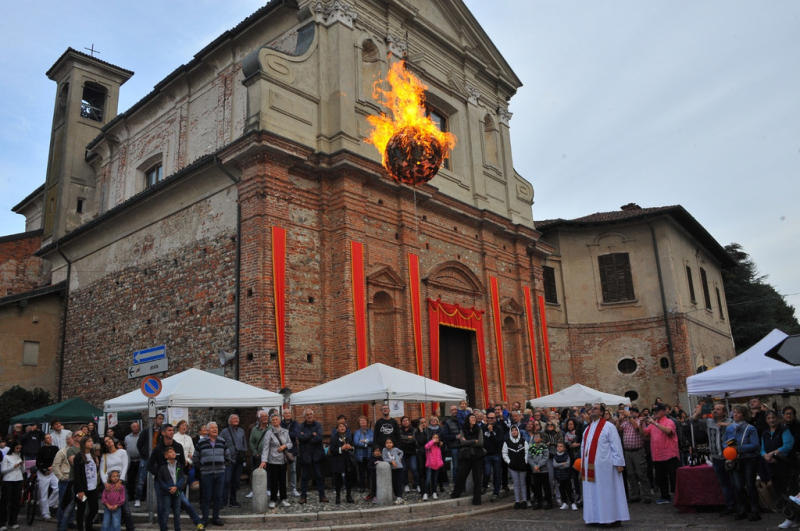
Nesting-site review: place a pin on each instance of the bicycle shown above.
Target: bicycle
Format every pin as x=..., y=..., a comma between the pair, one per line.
x=30, y=495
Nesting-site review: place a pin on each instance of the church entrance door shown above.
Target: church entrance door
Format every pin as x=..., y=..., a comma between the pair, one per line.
x=456, y=367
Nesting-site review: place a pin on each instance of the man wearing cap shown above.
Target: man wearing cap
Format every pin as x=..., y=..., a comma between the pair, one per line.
x=602, y=463
x=633, y=448
x=663, y=438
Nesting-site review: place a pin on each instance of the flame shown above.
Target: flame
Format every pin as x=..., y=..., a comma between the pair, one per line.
x=404, y=98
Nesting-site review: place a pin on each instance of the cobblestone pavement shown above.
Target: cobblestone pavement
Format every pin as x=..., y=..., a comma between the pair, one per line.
x=461, y=515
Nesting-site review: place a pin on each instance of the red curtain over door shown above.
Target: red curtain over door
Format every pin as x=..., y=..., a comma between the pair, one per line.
x=440, y=313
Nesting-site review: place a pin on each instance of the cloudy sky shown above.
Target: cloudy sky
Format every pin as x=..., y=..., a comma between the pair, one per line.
x=662, y=102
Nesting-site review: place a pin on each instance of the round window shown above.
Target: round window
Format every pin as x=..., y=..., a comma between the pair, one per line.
x=665, y=363
x=626, y=366
x=633, y=395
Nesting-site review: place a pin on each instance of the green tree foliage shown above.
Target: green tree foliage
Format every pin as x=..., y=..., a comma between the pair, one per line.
x=17, y=400
x=755, y=308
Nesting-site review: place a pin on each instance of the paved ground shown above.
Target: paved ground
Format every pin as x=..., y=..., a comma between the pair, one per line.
x=451, y=515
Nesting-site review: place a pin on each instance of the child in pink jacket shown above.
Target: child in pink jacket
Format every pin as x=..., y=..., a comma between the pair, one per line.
x=113, y=498
x=433, y=462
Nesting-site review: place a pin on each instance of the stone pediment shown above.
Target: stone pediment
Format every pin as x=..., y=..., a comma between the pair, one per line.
x=510, y=305
x=454, y=276
x=386, y=277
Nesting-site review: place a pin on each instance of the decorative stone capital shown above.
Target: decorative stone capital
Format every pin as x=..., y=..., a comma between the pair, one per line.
x=504, y=115
x=396, y=45
x=335, y=11
x=473, y=94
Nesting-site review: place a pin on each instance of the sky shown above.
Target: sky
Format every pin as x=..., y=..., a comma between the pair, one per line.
x=690, y=102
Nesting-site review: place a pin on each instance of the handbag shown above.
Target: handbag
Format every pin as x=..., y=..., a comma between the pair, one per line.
x=734, y=463
x=289, y=456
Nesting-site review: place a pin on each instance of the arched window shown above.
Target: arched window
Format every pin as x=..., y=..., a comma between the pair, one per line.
x=490, y=141
x=93, y=102
x=370, y=68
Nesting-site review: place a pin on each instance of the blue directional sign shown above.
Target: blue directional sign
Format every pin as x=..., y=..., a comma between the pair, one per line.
x=150, y=354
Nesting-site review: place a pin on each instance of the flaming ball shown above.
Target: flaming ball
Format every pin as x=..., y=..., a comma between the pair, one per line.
x=413, y=157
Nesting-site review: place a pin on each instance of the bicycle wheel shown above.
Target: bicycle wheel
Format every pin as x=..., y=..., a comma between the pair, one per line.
x=33, y=504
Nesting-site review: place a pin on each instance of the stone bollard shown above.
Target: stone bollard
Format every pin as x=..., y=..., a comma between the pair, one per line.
x=383, y=491
x=469, y=485
x=259, y=490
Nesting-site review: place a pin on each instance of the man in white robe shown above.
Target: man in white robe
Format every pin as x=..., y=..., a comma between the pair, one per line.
x=604, y=500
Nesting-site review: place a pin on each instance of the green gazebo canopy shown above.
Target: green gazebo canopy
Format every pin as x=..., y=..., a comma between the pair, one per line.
x=69, y=411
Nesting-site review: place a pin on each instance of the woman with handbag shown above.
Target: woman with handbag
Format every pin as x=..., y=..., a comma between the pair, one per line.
x=274, y=458
x=470, y=458
x=343, y=461
x=743, y=469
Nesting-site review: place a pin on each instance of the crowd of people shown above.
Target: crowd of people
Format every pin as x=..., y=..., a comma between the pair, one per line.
x=589, y=456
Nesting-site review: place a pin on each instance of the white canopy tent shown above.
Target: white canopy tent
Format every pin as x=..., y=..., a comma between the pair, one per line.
x=748, y=374
x=578, y=395
x=196, y=388
x=378, y=382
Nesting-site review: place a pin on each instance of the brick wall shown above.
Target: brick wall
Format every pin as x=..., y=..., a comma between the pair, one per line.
x=20, y=270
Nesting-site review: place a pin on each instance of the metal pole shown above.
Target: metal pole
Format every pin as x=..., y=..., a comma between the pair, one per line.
x=150, y=487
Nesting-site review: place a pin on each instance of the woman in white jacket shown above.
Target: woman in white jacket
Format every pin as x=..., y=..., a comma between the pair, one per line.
x=11, y=468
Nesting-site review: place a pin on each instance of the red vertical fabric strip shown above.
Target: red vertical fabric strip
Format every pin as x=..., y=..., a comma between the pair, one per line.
x=359, y=301
x=279, y=286
x=416, y=313
x=498, y=335
x=546, y=344
x=433, y=322
x=532, y=337
x=482, y=358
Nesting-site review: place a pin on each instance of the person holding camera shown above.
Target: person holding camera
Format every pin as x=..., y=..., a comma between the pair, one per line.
x=632, y=434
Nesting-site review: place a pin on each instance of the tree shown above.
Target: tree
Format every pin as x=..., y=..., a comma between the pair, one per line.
x=18, y=400
x=755, y=307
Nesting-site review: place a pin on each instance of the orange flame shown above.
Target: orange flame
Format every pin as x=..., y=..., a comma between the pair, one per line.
x=405, y=98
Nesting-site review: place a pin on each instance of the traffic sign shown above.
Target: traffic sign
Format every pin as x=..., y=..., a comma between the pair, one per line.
x=151, y=408
x=146, y=369
x=151, y=386
x=150, y=354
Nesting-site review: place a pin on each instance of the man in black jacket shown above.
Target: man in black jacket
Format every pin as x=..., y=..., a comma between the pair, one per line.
x=450, y=431
x=493, y=439
x=311, y=455
x=47, y=479
x=386, y=428
x=145, y=446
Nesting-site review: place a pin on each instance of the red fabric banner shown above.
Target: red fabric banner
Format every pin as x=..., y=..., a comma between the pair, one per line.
x=359, y=301
x=416, y=313
x=545, y=344
x=279, y=286
x=498, y=335
x=532, y=337
x=440, y=313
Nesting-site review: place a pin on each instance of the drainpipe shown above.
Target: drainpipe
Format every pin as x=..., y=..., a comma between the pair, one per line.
x=64, y=328
x=663, y=297
x=238, y=269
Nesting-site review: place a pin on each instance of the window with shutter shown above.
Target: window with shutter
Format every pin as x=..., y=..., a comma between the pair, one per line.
x=549, y=277
x=616, y=280
x=706, y=294
x=719, y=304
x=691, y=283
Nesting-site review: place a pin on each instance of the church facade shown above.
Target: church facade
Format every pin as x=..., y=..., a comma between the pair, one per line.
x=237, y=207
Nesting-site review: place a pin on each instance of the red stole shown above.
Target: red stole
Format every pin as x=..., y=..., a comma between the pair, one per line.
x=590, y=452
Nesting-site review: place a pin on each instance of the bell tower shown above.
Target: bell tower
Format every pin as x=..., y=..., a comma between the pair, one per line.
x=86, y=100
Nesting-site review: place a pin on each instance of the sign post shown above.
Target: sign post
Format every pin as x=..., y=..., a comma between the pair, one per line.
x=151, y=387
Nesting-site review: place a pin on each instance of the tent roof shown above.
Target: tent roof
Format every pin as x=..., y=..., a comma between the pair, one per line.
x=196, y=388
x=379, y=382
x=578, y=395
x=72, y=410
x=750, y=373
